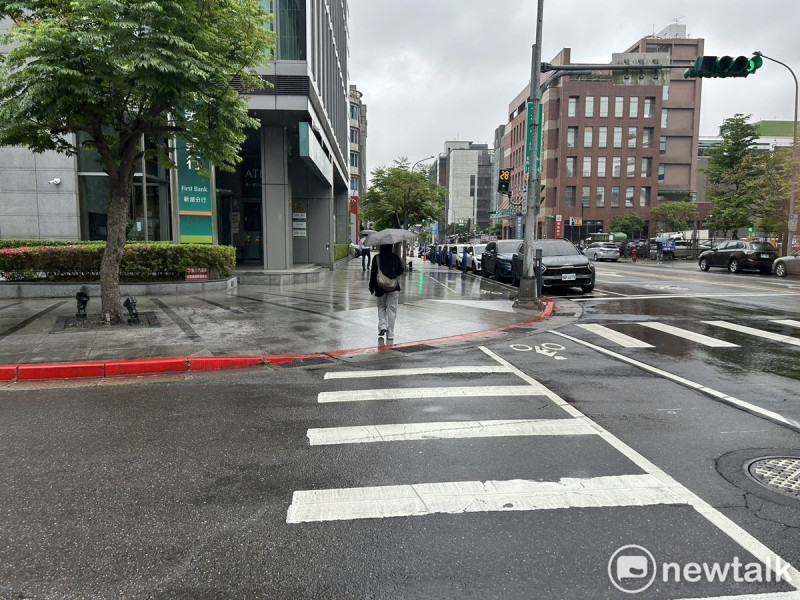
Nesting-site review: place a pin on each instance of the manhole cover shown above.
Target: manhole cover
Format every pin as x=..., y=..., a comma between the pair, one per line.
x=779, y=473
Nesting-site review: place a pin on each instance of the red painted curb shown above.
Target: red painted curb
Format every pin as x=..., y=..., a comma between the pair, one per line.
x=282, y=360
x=146, y=367
x=212, y=363
x=8, y=372
x=60, y=371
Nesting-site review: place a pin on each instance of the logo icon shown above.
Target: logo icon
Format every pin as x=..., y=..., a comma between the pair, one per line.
x=632, y=569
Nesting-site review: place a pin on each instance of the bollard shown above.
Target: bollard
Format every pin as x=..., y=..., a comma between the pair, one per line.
x=82, y=298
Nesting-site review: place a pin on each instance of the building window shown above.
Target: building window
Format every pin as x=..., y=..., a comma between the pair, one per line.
x=632, y=133
x=662, y=146
x=569, y=198
x=355, y=135
x=354, y=183
x=602, y=137
x=572, y=106
x=587, y=137
x=616, y=166
x=601, y=166
x=587, y=166
x=291, y=21
x=355, y=112
x=649, y=107
x=618, y=106
x=588, y=106
x=644, y=196
x=664, y=113
x=572, y=165
x=615, y=197
x=661, y=173
x=617, y=137
x=631, y=170
x=665, y=92
x=572, y=136
x=603, y=106
x=586, y=196
x=600, y=197
x=647, y=167
x=633, y=107
x=647, y=137
x=354, y=160
x=629, y=197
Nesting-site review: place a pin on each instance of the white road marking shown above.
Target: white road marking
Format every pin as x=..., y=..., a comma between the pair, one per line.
x=723, y=523
x=416, y=371
x=490, y=391
x=766, y=596
x=475, y=496
x=446, y=430
x=789, y=322
x=768, y=335
x=618, y=338
x=689, y=335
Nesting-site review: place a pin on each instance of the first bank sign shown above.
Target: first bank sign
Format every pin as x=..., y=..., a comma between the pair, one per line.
x=195, y=202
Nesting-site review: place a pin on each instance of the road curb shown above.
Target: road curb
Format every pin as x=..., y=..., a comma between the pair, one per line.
x=157, y=366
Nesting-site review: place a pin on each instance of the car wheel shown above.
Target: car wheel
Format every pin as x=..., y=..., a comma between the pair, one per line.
x=780, y=270
x=704, y=266
x=587, y=288
x=733, y=266
x=594, y=257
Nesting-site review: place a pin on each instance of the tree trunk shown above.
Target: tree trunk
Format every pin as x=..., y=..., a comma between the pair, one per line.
x=109, y=269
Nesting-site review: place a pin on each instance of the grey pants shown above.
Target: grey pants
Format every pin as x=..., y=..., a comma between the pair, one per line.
x=387, y=312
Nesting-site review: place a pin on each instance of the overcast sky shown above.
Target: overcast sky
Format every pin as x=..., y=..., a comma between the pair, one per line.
x=439, y=70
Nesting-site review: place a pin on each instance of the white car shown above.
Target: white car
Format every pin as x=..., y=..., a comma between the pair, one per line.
x=602, y=251
x=474, y=253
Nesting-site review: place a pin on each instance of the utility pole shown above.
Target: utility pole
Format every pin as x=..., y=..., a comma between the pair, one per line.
x=529, y=284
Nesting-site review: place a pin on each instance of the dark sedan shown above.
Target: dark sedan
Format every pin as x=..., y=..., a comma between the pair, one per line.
x=740, y=255
x=496, y=260
x=562, y=265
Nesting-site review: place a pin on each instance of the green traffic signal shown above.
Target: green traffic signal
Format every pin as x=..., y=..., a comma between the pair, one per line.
x=723, y=66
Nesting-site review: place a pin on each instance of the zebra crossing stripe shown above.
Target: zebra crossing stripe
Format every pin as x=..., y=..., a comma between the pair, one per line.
x=789, y=322
x=403, y=432
x=768, y=335
x=689, y=335
x=618, y=338
x=417, y=371
x=431, y=392
x=457, y=497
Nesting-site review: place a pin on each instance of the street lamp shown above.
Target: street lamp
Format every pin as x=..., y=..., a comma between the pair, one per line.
x=792, y=215
x=419, y=161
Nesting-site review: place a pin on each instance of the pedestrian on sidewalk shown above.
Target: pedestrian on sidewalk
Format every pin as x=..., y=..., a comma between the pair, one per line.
x=390, y=267
x=365, y=249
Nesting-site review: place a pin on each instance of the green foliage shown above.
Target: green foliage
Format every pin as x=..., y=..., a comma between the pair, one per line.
x=340, y=251
x=674, y=216
x=732, y=165
x=630, y=224
x=399, y=197
x=769, y=191
x=157, y=261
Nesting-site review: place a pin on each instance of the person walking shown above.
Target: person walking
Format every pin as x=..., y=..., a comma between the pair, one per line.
x=659, y=250
x=390, y=267
x=365, y=258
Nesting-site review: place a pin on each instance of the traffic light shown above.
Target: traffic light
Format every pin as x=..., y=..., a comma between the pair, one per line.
x=503, y=180
x=723, y=66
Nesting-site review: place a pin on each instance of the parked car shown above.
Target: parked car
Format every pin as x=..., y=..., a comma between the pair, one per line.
x=457, y=250
x=787, y=265
x=602, y=251
x=740, y=255
x=474, y=257
x=562, y=265
x=496, y=259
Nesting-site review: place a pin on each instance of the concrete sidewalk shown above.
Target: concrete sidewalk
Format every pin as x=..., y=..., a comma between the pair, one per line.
x=266, y=323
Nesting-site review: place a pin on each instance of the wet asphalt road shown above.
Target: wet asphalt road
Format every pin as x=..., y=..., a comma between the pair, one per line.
x=209, y=486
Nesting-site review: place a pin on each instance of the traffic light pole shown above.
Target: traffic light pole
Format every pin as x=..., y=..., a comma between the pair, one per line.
x=529, y=284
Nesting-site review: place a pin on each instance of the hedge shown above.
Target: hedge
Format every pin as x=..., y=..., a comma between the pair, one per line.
x=141, y=261
x=340, y=251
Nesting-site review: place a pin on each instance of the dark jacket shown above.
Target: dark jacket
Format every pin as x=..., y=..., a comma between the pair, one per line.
x=390, y=265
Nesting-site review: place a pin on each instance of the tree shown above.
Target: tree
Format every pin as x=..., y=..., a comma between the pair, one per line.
x=105, y=74
x=398, y=197
x=630, y=224
x=769, y=191
x=731, y=165
x=674, y=216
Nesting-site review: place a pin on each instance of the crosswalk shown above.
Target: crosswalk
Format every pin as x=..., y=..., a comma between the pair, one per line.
x=645, y=486
x=637, y=330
